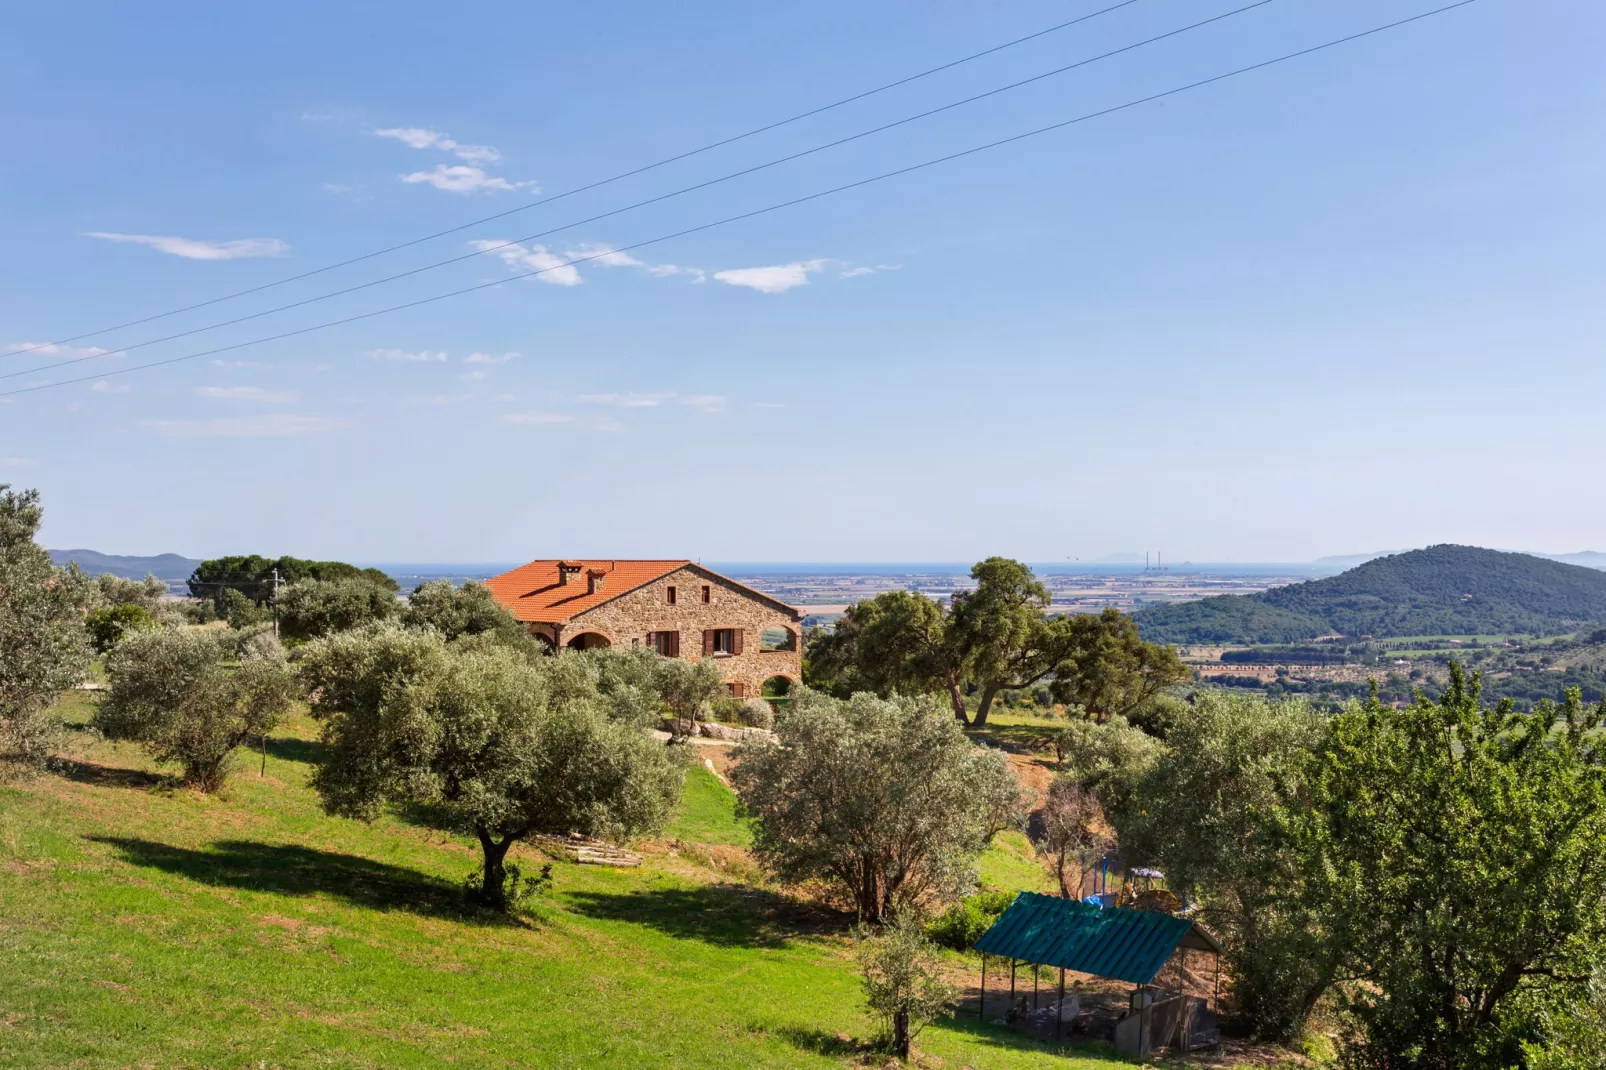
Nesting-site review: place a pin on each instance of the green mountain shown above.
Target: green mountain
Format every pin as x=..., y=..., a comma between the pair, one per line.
x=1442, y=590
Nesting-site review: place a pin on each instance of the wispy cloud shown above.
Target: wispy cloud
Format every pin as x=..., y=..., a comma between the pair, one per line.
x=606, y=255
x=419, y=138
x=537, y=418
x=554, y=268
x=772, y=280
x=461, y=178
x=192, y=249
x=55, y=349
x=473, y=376
x=642, y=399
x=103, y=386
x=490, y=358
x=664, y=271
x=247, y=393
x=403, y=354
x=855, y=272
x=16, y=462
x=271, y=425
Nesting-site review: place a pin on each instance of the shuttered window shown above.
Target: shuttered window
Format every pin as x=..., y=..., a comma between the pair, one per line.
x=737, y=690
x=666, y=643
x=669, y=595
x=722, y=641
x=708, y=594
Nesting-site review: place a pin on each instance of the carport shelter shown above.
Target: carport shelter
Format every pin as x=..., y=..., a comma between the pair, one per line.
x=1109, y=942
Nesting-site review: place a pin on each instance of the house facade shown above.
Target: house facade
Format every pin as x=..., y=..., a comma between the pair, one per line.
x=677, y=608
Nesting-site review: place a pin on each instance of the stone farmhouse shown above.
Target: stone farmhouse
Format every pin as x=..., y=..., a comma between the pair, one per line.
x=678, y=608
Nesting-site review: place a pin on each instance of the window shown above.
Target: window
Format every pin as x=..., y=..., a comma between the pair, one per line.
x=708, y=594
x=669, y=595
x=665, y=643
x=722, y=641
x=737, y=690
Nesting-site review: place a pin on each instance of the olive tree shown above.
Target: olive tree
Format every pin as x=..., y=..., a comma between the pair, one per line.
x=903, y=980
x=511, y=746
x=458, y=611
x=312, y=608
x=172, y=691
x=43, y=646
x=886, y=798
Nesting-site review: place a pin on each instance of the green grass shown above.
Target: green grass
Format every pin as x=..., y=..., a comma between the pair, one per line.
x=708, y=813
x=1011, y=863
x=142, y=925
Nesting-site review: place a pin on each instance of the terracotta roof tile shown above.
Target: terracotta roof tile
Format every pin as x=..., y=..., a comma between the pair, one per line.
x=534, y=595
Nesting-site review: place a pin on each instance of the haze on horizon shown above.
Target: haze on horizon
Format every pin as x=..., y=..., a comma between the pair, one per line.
x=1344, y=303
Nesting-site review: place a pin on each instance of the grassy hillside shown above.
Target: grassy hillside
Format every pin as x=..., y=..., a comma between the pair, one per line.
x=1442, y=590
x=142, y=925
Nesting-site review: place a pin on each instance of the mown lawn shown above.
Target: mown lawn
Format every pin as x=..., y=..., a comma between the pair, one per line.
x=142, y=925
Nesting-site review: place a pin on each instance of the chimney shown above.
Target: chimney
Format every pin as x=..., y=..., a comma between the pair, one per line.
x=594, y=578
x=566, y=570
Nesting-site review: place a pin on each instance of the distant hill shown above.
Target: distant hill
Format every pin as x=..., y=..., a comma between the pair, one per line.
x=1587, y=558
x=1442, y=590
x=169, y=567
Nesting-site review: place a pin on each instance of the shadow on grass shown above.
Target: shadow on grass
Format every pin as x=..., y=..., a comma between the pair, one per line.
x=964, y=1022
x=107, y=776
x=289, y=869
x=726, y=915
x=818, y=1041
x=290, y=749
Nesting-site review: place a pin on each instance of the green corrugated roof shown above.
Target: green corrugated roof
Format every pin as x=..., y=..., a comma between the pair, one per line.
x=1125, y=945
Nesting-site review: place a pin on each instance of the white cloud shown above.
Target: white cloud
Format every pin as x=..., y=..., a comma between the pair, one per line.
x=53, y=349
x=461, y=178
x=490, y=358
x=247, y=393
x=553, y=268
x=272, y=425
x=16, y=462
x=101, y=386
x=419, y=138
x=634, y=400
x=191, y=249
x=643, y=399
x=664, y=271
x=537, y=418
x=402, y=354
x=474, y=376
x=853, y=273
x=772, y=280
x=606, y=255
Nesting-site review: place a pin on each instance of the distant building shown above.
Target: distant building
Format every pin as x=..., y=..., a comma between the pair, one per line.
x=677, y=608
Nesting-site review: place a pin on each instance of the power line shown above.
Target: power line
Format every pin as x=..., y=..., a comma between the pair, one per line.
x=661, y=197
x=597, y=184
x=784, y=204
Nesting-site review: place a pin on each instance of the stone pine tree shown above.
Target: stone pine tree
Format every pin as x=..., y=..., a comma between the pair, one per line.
x=43, y=646
x=510, y=746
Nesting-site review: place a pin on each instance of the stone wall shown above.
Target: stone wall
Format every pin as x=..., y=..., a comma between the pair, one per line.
x=625, y=623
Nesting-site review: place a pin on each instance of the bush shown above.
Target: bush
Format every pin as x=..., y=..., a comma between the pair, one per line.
x=903, y=982
x=314, y=608
x=756, y=713
x=107, y=626
x=171, y=692
x=240, y=611
x=961, y=925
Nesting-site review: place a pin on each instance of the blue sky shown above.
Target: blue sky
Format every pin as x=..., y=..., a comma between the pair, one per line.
x=1346, y=303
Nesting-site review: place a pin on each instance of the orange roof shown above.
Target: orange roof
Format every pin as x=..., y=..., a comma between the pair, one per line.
x=534, y=595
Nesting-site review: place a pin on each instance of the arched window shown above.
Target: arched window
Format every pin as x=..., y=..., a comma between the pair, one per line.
x=777, y=638
x=777, y=691
x=588, y=641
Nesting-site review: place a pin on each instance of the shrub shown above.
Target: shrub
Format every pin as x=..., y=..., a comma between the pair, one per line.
x=903, y=982
x=314, y=608
x=171, y=692
x=756, y=713
x=108, y=625
x=961, y=925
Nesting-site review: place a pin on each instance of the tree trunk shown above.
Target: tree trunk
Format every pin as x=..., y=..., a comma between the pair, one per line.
x=986, y=703
x=957, y=697
x=493, y=890
x=869, y=897
x=900, y=1032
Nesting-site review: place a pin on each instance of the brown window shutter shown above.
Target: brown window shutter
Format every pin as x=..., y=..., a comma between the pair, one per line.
x=674, y=644
x=737, y=690
x=708, y=640
x=736, y=640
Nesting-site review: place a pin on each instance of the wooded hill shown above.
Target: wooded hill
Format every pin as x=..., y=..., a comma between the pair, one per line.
x=1442, y=590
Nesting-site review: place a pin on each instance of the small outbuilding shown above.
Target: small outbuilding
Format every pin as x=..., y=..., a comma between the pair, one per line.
x=1119, y=944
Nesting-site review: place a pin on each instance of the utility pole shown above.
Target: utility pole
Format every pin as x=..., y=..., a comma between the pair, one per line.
x=276, y=603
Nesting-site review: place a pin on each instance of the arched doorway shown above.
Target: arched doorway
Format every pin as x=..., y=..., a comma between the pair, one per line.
x=777, y=691
x=588, y=641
